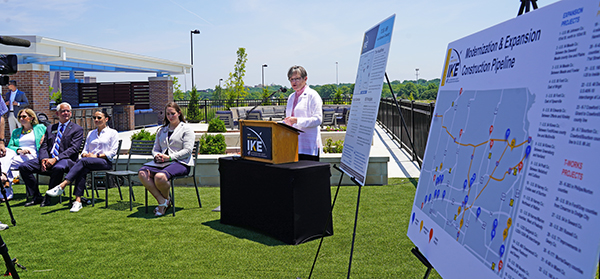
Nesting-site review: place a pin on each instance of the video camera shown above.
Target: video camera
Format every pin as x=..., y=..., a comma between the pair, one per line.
x=8, y=62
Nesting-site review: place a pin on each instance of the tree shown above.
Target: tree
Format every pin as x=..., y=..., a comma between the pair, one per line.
x=177, y=93
x=56, y=96
x=234, y=85
x=193, y=111
x=217, y=94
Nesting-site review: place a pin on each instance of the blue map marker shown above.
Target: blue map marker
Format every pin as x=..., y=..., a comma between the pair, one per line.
x=478, y=211
x=527, y=151
x=493, y=233
x=495, y=223
x=465, y=185
x=501, y=250
x=507, y=134
x=444, y=194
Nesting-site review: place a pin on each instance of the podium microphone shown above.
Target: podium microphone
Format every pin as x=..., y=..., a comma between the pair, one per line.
x=281, y=89
x=12, y=41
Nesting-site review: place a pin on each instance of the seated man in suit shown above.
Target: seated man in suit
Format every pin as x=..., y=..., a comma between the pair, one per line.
x=58, y=153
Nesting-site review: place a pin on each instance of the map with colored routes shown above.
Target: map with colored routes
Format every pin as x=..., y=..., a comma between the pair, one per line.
x=471, y=185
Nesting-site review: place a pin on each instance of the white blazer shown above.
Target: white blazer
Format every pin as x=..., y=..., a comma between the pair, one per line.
x=180, y=145
x=309, y=112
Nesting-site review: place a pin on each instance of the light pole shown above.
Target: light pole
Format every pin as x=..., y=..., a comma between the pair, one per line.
x=263, y=75
x=417, y=70
x=220, y=89
x=192, y=51
x=336, y=73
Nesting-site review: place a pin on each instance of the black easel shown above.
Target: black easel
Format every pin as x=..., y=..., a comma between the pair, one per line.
x=414, y=250
x=355, y=222
x=412, y=145
x=423, y=260
x=525, y=6
x=328, y=221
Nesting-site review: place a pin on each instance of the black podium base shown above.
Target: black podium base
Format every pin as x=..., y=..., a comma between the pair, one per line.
x=290, y=202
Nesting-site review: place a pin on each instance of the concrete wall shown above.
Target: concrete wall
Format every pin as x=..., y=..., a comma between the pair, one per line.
x=207, y=170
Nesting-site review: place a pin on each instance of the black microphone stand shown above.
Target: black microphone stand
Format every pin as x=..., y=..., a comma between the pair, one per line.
x=264, y=100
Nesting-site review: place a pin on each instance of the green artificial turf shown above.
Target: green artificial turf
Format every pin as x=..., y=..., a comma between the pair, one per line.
x=113, y=242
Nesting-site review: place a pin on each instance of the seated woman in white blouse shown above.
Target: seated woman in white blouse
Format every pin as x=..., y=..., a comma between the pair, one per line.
x=23, y=146
x=98, y=153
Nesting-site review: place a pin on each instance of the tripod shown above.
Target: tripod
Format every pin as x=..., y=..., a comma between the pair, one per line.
x=10, y=266
x=12, y=218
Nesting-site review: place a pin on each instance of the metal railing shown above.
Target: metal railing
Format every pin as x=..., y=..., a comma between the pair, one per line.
x=417, y=117
x=208, y=108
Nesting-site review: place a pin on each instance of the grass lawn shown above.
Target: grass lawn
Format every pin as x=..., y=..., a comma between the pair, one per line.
x=114, y=242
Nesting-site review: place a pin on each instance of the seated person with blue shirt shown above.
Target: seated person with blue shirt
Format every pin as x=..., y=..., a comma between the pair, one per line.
x=57, y=154
x=98, y=154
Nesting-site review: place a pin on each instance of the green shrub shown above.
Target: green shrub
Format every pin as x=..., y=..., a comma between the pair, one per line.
x=333, y=147
x=216, y=125
x=193, y=110
x=143, y=135
x=212, y=144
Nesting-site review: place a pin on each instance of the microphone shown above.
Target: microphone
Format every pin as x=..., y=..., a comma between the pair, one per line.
x=12, y=41
x=281, y=89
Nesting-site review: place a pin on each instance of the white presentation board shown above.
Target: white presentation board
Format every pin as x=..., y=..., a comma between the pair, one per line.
x=508, y=186
x=365, y=100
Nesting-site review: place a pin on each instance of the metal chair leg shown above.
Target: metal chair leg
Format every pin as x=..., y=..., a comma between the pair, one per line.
x=172, y=197
x=197, y=193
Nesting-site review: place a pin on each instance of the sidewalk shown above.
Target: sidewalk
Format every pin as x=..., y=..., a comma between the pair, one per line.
x=399, y=165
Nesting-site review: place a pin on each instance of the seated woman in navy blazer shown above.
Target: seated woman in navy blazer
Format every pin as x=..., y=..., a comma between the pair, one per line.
x=98, y=154
x=172, y=156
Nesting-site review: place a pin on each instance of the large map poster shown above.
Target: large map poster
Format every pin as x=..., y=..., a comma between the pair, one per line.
x=509, y=185
x=365, y=100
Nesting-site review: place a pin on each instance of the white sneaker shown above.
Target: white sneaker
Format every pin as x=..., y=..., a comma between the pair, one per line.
x=55, y=192
x=3, y=227
x=76, y=206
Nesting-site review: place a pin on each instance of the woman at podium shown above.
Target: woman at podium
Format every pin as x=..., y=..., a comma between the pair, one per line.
x=304, y=111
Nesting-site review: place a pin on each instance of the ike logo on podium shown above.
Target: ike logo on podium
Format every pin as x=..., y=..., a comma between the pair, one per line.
x=257, y=142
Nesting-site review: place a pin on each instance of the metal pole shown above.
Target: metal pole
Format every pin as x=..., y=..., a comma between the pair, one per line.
x=192, y=52
x=336, y=74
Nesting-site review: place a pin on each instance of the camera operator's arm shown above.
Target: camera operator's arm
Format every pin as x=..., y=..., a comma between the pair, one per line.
x=3, y=110
x=2, y=147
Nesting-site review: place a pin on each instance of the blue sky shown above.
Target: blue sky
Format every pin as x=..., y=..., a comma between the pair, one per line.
x=313, y=33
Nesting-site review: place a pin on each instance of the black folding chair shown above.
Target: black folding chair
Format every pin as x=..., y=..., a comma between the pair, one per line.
x=138, y=147
x=102, y=173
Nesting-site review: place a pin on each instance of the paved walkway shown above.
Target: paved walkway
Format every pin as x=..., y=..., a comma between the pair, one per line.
x=399, y=165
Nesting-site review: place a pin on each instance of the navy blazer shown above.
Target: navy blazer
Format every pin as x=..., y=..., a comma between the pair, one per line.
x=19, y=98
x=69, y=145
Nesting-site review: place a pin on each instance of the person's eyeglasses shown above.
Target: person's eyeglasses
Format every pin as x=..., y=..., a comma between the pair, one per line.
x=171, y=113
x=296, y=79
x=23, y=116
x=97, y=117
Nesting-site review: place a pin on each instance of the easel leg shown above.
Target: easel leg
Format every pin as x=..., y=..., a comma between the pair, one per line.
x=355, y=223
x=423, y=260
x=328, y=221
